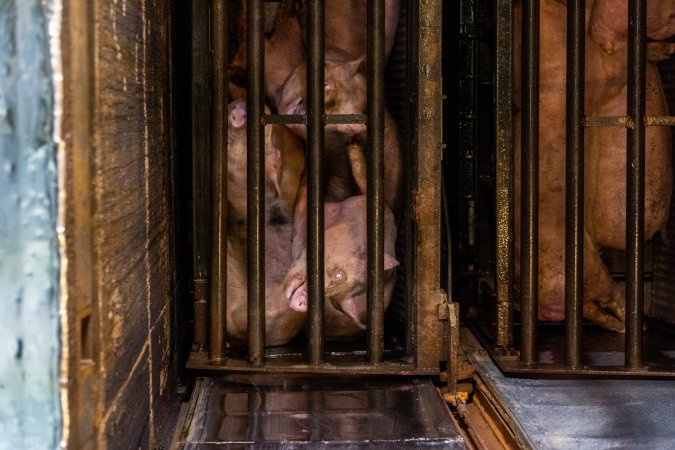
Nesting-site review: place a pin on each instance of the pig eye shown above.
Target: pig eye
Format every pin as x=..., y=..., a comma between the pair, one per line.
x=339, y=275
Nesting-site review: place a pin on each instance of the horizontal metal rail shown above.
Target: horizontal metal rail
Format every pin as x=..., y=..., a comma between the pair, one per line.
x=627, y=121
x=329, y=119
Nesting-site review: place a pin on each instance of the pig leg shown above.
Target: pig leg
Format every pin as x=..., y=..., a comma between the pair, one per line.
x=604, y=303
x=300, y=220
x=357, y=160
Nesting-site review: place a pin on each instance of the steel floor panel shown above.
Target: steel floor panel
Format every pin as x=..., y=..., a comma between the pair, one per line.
x=398, y=413
x=583, y=413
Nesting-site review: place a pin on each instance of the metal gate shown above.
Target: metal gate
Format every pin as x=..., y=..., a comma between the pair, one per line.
x=420, y=325
x=512, y=333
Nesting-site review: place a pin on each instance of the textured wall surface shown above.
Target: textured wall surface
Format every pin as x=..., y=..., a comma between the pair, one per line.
x=118, y=221
x=29, y=327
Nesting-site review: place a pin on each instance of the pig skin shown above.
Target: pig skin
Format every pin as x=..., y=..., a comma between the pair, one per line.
x=346, y=22
x=609, y=22
x=284, y=51
x=605, y=161
x=284, y=164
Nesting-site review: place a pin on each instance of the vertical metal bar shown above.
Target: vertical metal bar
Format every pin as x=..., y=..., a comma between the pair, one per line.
x=530, y=182
x=574, y=227
x=375, y=180
x=315, y=145
x=218, y=179
x=504, y=172
x=255, y=182
x=635, y=182
x=200, y=338
x=200, y=159
x=410, y=13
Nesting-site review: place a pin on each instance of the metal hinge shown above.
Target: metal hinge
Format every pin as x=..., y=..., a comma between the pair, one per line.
x=448, y=312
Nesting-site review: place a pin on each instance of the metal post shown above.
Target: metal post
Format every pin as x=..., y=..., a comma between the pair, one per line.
x=200, y=160
x=315, y=147
x=574, y=227
x=635, y=182
x=504, y=172
x=218, y=286
x=375, y=139
x=255, y=182
x=530, y=182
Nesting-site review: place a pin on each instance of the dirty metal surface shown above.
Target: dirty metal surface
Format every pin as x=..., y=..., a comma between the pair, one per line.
x=339, y=357
x=589, y=414
x=304, y=413
x=602, y=353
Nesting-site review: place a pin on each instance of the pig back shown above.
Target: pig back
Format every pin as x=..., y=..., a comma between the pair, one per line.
x=346, y=22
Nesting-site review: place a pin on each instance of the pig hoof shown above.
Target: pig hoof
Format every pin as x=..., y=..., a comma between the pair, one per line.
x=659, y=51
x=604, y=316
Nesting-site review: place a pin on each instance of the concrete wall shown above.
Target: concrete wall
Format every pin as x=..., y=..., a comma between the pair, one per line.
x=29, y=291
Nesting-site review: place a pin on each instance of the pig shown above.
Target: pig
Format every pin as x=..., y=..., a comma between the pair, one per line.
x=345, y=257
x=345, y=93
x=284, y=50
x=284, y=164
x=346, y=22
x=605, y=161
x=345, y=274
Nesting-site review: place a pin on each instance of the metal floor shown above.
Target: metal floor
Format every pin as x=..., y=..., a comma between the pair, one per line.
x=583, y=414
x=337, y=414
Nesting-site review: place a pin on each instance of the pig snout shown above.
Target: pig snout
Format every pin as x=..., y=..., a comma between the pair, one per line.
x=237, y=116
x=295, y=288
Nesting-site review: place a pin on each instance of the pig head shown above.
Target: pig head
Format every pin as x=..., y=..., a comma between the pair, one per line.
x=345, y=268
x=345, y=93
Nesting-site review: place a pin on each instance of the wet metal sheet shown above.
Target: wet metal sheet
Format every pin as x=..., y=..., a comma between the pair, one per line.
x=336, y=414
x=587, y=414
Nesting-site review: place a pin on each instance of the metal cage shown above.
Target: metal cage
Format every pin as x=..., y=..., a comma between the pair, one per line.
x=428, y=320
x=507, y=321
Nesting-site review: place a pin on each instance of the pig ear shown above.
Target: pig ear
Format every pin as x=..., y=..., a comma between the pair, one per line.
x=331, y=211
x=354, y=66
x=389, y=261
x=362, y=252
x=273, y=160
x=348, y=306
